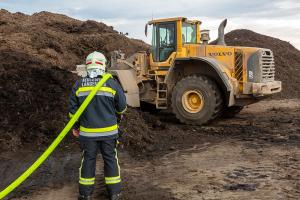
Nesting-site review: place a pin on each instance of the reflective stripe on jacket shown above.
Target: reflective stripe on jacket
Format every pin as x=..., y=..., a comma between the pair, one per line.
x=99, y=120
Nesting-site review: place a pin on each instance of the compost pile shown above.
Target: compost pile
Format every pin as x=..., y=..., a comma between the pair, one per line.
x=287, y=58
x=33, y=99
x=60, y=40
x=38, y=52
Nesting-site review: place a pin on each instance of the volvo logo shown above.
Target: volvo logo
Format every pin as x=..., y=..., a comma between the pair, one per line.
x=220, y=54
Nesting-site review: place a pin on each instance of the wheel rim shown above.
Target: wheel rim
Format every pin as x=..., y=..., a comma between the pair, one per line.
x=192, y=101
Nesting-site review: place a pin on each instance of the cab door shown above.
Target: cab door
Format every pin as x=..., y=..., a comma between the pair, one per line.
x=163, y=42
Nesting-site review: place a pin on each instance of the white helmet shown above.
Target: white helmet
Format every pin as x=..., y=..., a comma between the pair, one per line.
x=95, y=64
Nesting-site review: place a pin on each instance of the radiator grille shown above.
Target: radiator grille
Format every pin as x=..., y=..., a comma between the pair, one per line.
x=267, y=66
x=238, y=65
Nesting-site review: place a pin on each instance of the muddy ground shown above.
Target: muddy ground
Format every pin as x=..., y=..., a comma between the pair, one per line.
x=255, y=155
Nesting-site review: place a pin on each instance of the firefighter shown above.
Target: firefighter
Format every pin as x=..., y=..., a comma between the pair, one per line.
x=97, y=128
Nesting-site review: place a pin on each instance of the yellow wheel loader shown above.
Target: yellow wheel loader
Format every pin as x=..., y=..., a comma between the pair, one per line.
x=194, y=79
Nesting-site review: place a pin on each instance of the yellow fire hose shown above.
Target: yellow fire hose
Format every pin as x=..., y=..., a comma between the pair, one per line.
x=56, y=142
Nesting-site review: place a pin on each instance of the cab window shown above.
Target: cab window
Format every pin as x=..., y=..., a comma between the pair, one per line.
x=163, y=41
x=154, y=46
x=188, y=33
x=167, y=40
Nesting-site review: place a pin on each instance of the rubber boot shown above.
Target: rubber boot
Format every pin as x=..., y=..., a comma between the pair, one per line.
x=115, y=197
x=81, y=197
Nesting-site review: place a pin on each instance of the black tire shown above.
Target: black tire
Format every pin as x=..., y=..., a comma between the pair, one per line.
x=211, y=96
x=230, y=112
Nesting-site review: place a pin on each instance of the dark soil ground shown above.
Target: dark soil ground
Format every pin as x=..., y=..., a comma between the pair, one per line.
x=255, y=155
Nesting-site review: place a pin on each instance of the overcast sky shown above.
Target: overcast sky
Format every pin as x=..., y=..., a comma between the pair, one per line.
x=277, y=18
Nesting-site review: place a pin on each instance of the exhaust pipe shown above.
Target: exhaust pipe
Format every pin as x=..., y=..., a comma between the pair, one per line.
x=221, y=39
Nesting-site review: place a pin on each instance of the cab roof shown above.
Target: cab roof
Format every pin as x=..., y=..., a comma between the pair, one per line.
x=184, y=19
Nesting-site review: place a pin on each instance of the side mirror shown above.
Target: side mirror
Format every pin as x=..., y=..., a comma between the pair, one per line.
x=146, y=30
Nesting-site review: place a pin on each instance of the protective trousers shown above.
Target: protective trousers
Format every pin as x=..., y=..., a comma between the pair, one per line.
x=88, y=166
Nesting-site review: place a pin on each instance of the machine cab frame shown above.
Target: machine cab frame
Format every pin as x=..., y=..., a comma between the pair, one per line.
x=168, y=37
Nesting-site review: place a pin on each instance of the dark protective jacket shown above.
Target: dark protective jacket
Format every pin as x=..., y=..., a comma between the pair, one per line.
x=99, y=120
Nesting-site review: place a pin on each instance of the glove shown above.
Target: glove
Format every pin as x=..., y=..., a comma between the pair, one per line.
x=119, y=118
x=75, y=132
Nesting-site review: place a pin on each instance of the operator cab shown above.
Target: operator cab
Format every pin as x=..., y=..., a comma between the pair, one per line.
x=169, y=35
